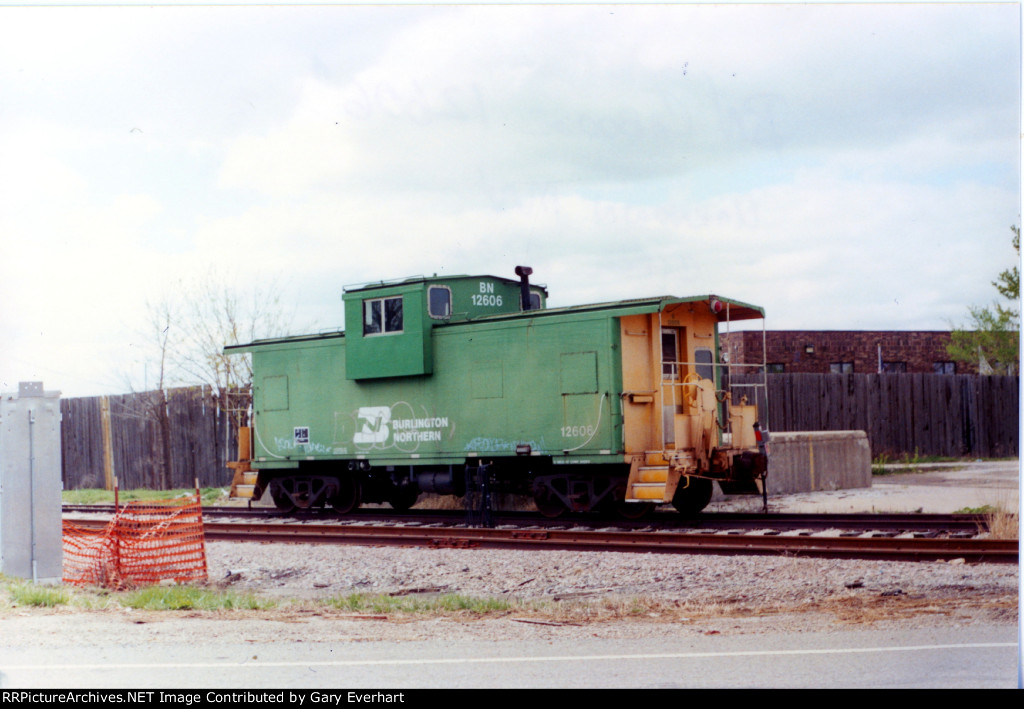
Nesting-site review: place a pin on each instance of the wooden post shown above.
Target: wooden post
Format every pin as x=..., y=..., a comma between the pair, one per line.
x=108, y=453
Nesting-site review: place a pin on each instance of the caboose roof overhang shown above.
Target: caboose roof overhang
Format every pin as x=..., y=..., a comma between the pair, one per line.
x=731, y=310
x=287, y=340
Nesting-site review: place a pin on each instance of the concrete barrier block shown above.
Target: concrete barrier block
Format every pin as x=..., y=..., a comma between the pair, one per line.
x=805, y=461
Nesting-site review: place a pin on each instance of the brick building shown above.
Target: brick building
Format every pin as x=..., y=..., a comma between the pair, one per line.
x=845, y=351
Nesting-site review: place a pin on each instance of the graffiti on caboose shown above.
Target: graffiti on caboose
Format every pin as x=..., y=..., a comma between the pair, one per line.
x=397, y=426
x=484, y=444
x=301, y=442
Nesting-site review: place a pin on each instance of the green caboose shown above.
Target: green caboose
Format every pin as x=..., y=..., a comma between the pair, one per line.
x=441, y=381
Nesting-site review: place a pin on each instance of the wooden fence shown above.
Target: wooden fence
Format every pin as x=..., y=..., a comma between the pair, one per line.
x=926, y=414
x=156, y=440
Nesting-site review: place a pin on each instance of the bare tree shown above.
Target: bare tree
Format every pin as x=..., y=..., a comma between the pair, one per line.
x=211, y=315
x=149, y=402
x=184, y=339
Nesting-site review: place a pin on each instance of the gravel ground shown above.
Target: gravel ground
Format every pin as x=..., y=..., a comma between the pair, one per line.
x=569, y=594
x=757, y=592
x=639, y=593
x=321, y=570
x=566, y=595
x=620, y=594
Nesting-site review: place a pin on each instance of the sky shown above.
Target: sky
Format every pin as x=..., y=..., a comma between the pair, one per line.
x=847, y=167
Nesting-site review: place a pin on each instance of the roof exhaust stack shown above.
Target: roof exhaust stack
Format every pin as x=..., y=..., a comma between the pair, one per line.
x=524, y=285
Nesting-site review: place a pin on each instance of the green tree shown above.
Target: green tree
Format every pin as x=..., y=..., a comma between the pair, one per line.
x=991, y=336
x=1008, y=282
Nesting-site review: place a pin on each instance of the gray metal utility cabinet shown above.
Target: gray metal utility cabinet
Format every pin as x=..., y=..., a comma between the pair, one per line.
x=31, y=544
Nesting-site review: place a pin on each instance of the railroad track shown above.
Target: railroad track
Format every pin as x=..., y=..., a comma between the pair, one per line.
x=893, y=524
x=902, y=537
x=713, y=520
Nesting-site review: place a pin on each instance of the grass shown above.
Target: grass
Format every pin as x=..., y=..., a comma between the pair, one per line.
x=20, y=593
x=1002, y=523
x=178, y=598
x=556, y=611
x=911, y=463
x=907, y=463
x=574, y=611
x=94, y=496
x=24, y=593
x=17, y=593
x=983, y=510
x=409, y=605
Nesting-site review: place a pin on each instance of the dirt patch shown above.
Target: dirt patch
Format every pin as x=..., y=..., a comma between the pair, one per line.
x=607, y=617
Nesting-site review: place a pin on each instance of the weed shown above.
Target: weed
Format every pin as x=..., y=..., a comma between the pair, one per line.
x=94, y=496
x=30, y=594
x=87, y=496
x=23, y=593
x=914, y=461
x=1002, y=524
x=455, y=602
x=983, y=510
x=1001, y=521
x=447, y=603
x=887, y=464
x=878, y=465
x=192, y=598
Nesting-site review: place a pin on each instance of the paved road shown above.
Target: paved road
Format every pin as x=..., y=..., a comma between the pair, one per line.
x=984, y=657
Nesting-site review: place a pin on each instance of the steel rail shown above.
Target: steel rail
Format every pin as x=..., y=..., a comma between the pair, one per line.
x=712, y=520
x=862, y=547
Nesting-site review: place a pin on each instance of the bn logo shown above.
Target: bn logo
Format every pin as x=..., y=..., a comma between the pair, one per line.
x=372, y=424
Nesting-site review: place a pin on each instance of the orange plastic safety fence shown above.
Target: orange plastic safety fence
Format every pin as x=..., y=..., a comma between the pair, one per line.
x=145, y=543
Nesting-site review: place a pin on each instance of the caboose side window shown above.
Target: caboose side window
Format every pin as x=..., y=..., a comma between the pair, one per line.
x=705, y=363
x=669, y=353
x=439, y=301
x=382, y=315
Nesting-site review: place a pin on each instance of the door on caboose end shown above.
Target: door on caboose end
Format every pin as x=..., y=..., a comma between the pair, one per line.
x=641, y=383
x=673, y=355
x=664, y=355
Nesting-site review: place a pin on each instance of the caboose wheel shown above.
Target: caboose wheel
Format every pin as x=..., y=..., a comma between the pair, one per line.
x=402, y=498
x=299, y=492
x=348, y=496
x=548, y=503
x=633, y=510
x=692, y=498
x=281, y=500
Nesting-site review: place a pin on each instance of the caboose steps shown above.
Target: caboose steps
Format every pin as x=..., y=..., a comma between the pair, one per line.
x=243, y=482
x=647, y=483
x=243, y=485
x=653, y=474
x=242, y=492
x=647, y=492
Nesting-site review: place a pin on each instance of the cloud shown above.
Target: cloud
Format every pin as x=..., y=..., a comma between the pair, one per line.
x=511, y=101
x=845, y=166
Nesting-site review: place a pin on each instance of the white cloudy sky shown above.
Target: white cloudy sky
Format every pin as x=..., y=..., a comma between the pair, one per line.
x=846, y=167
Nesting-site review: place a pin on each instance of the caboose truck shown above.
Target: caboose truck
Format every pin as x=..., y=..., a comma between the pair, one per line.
x=607, y=406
